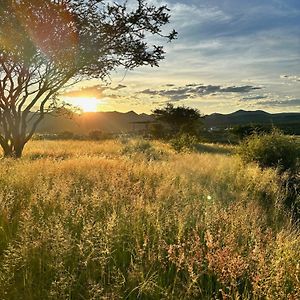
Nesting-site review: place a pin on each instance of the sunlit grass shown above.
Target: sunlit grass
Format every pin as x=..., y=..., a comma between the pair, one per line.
x=134, y=220
x=68, y=149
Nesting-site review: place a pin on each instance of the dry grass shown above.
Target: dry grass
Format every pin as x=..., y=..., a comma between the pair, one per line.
x=134, y=220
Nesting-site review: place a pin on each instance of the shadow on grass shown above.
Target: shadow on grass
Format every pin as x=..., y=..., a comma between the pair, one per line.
x=59, y=156
x=214, y=149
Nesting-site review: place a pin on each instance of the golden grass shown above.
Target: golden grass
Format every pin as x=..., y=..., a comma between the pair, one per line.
x=134, y=220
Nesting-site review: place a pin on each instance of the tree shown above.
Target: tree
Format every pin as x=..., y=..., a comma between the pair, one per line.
x=180, y=119
x=48, y=45
x=244, y=131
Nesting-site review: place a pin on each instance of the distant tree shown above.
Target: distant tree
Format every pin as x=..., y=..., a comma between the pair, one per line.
x=66, y=135
x=97, y=135
x=157, y=131
x=48, y=45
x=180, y=119
x=244, y=131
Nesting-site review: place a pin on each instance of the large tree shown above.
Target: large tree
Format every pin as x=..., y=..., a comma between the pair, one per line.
x=180, y=119
x=48, y=45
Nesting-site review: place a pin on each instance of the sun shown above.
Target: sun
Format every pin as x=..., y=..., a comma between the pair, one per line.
x=86, y=104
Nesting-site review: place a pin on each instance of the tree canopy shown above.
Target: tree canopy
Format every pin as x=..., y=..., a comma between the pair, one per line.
x=48, y=45
x=180, y=118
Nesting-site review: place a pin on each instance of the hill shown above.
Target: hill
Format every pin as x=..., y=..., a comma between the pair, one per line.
x=110, y=122
x=116, y=122
x=242, y=117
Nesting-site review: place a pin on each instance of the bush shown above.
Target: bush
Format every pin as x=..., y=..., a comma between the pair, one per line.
x=244, y=131
x=142, y=150
x=184, y=142
x=274, y=150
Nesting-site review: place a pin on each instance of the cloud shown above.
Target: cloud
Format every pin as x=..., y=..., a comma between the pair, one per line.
x=96, y=91
x=258, y=97
x=150, y=92
x=197, y=14
x=190, y=91
x=281, y=103
x=119, y=87
x=240, y=89
x=290, y=77
x=192, y=84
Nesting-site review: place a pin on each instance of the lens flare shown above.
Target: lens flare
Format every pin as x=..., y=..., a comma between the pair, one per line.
x=51, y=28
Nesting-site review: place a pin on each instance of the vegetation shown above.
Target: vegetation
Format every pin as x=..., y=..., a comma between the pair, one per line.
x=85, y=220
x=281, y=152
x=48, y=45
x=180, y=119
x=184, y=142
x=244, y=131
x=140, y=149
x=274, y=150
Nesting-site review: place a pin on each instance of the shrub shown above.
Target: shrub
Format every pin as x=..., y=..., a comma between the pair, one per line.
x=244, y=131
x=141, y=149
x=66, y=135
x=274, y=150
x=184, y=142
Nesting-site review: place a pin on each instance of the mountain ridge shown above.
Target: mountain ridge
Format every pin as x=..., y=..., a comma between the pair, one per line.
x=243, y=117
x=116, y=122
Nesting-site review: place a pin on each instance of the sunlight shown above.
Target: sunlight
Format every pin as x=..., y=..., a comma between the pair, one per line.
x=86, y=104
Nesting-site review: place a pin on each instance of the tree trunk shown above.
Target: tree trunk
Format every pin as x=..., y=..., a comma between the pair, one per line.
x=6, y=149
x=13, y=151
x=17, y=152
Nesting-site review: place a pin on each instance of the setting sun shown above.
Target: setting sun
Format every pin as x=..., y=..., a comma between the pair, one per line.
x=86, y=104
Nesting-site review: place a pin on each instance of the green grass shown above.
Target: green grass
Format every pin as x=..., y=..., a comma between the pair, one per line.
x=135, y=220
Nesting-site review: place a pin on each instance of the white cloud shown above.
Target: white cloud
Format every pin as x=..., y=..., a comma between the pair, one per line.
x=190, y=15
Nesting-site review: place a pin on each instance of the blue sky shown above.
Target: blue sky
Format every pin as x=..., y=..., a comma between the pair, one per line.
x=229, y=55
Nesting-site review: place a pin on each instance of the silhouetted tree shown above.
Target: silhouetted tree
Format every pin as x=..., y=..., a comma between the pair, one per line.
x=48, y=45
x=180, y=119
x=244, y=131
x=157, y=131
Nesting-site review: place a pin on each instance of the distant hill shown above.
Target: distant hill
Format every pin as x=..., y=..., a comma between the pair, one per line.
x=110, y=122
x=116, y=122
x=242, y=117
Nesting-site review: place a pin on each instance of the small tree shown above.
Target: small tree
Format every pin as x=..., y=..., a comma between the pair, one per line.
x=180, y=119
x=48, y=45
x=274, y=150
x=244, y=131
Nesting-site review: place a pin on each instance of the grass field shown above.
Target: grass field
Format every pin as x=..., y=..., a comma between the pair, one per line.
x=135, y=220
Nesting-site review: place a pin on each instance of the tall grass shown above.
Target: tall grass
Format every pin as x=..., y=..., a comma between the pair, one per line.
x=85, y=220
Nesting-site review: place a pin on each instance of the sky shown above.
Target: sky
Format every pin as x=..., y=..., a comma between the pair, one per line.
x=229, y=55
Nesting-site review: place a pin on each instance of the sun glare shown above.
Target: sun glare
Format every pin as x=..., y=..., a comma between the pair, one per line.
x=86, y=104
